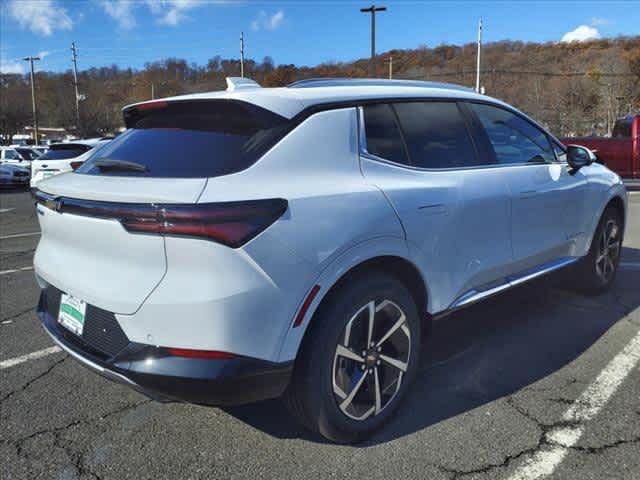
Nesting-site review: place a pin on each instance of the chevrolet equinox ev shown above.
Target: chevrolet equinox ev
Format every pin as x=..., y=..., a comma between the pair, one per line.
x=235, y=246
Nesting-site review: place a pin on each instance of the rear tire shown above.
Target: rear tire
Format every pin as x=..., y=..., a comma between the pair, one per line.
x=357, y=360
x=596, y=272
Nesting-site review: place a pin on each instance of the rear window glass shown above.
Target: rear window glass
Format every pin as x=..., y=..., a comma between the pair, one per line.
x=622, y=128
x=189, y=139
x=27, y=154
x=65, y=152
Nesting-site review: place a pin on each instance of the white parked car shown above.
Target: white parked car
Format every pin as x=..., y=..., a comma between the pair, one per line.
x=241, y=245
x=61, y=158
x=11, y=155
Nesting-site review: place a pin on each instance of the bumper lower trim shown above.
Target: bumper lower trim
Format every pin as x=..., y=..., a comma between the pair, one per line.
x=161, y=376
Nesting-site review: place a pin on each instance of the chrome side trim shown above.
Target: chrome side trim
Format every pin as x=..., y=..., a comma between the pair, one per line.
x=475, y=295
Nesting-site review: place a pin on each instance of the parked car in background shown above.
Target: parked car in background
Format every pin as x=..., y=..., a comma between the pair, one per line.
x=236, y=246
x=28, y=153
x=14, y=175
x=621, y=152
x=61, y=158
x=11, y=155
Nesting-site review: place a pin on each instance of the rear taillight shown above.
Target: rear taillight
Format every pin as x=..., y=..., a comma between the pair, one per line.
x=229, y=223
x=76, y=165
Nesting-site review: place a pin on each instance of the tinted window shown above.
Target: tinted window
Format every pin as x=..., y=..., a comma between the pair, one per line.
x=27, y=154
x=514, y=140
x=11, y=155
x=62, y=153
x=560, y=151
x=383, y=134
x=436, y=135
x=191, y=139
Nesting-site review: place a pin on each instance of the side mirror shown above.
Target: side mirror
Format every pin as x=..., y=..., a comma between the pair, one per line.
x=579, y=156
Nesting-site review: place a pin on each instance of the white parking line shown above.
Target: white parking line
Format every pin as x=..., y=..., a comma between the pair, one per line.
x=19, y=235
x=15, y=270
x=29, y=356
x=6, y=210
x=586, y=406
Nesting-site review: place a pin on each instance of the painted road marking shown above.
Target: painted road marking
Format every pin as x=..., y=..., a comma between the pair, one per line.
x=586, y=406
x=30, y=356
x=15, y=270
x=5, y=210
x=19, y=235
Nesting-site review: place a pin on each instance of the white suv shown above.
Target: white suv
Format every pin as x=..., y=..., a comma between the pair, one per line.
x=236, y=246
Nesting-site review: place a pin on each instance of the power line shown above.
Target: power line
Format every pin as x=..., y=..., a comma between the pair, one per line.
x=30, y=59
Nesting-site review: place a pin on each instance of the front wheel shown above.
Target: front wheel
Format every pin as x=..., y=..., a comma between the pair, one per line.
x=358, y=359
x=596, y=272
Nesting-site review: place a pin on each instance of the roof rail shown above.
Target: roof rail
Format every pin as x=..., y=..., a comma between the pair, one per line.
x=239, y=83
x=372, y=82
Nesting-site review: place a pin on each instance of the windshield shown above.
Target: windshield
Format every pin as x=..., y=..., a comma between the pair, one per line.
x=27, y=153
x=190, y=139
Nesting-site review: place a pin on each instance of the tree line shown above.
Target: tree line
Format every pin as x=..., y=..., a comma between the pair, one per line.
x=576, y=88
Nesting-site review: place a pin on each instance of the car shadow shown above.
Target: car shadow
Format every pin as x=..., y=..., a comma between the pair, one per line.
x=488, y=351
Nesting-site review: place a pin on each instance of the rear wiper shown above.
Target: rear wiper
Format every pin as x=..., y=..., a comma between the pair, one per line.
x=113, y=164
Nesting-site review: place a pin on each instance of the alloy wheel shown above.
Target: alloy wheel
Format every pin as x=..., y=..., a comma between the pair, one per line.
x=371, y=360
x=608, y=251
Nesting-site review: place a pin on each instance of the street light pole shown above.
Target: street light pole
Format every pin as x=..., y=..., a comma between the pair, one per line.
x=242, y=54
x=372, y=10
x=30, y=59
x=74, y=58
x=478, y=56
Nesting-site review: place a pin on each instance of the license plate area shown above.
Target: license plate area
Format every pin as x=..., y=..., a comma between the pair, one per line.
x=72, y=313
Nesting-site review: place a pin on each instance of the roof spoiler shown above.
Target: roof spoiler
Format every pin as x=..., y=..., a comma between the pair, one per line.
x=240, y=83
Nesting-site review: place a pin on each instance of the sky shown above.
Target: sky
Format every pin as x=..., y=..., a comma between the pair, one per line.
x=130, y=33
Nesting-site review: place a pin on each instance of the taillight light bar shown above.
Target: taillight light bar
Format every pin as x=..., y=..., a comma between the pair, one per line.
x=76, y=165
x=229, y=223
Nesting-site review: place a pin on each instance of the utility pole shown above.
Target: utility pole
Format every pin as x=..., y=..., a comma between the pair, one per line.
x=153, y=91
x=242, y=54
x=390, y=67
x=74, y=57
x=478, y=59
x=372, y=10
x=30, y=59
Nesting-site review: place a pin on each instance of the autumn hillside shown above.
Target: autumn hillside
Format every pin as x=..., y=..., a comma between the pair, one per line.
x=574, y=88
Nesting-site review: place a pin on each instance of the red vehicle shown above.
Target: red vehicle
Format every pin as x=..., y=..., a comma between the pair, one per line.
x=621, y=152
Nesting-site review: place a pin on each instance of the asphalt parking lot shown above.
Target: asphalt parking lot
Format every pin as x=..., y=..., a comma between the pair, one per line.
x=536, y=383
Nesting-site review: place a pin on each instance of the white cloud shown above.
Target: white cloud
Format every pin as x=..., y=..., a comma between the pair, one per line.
x=264, y=21
x=171, y=12
x=43, y=54
x=40, y=16
x=581, y=34
x=121, y=11
x=599, y=21
x=11, y=67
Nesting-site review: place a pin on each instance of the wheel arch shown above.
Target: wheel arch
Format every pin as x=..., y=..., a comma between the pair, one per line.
x=390, y=260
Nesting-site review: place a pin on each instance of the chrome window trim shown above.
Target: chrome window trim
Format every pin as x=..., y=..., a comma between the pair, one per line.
x=362, y=140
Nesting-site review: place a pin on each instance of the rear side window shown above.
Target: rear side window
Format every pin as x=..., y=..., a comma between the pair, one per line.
x=514, y=140
x=192, y=139
x=436, y=135
x=383, y=135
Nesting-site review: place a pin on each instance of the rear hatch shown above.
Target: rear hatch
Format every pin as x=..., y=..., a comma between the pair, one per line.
x=103, y=226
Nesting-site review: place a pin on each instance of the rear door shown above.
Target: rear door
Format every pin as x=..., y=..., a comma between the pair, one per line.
x=163, y=160
x=454, y=211
x=547, y=198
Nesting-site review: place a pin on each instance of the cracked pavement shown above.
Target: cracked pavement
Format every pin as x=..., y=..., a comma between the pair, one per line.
x=495, y=382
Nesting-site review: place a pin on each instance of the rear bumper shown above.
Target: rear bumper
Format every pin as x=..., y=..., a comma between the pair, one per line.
x=153, y=372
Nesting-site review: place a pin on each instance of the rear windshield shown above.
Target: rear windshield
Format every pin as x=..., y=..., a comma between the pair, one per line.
x=622, y=128
x=66, y=151
x=193, y=139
